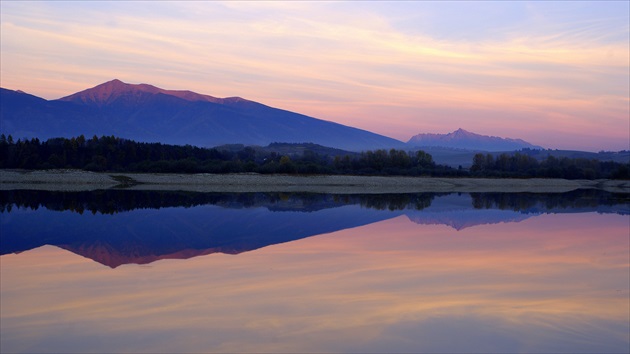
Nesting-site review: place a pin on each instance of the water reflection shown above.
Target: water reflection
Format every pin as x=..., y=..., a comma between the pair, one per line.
x=116, y=227
x=112, y=201
x=555, y=282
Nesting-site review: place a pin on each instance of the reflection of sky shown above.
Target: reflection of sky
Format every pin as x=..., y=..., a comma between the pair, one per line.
x=555, y=283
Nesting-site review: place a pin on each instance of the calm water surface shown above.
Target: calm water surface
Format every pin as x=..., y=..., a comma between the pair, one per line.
x=123, y=271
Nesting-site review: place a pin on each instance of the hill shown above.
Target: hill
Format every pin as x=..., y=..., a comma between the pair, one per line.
x=151, y=114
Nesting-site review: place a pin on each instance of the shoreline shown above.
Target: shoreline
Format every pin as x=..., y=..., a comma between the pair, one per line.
x=78, y=180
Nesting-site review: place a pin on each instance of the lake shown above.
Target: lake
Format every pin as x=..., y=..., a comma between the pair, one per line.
x=144, y=271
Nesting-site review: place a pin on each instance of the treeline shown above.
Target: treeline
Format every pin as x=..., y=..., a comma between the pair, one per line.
x=524, y=166
x=109, y=153
x=114, y=201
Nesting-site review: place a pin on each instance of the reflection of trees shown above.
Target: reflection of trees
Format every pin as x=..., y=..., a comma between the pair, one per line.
x=584, y=198
x=393, y=202
x=101, y=201
x=116, y=201
x=503, y=201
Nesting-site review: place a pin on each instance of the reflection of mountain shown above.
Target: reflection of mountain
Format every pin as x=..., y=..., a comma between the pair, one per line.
x=461, y=219
x=468, y=210
x=119, y=227
x=456, y=211
x=144, y=235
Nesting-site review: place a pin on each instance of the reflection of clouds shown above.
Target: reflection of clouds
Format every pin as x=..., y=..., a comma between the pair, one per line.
x=464, y=333
x=317, y=60
x=389, y=286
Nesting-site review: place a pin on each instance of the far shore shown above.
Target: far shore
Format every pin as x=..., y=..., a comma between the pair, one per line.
x=77, y=180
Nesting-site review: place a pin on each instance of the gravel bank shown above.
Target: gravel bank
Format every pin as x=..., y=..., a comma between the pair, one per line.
x=74, y=180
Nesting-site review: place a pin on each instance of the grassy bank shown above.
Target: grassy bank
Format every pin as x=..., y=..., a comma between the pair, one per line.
x=251, y=182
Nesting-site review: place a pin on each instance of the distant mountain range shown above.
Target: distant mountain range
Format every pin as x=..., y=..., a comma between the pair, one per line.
x=148, y=113
x=462, y=139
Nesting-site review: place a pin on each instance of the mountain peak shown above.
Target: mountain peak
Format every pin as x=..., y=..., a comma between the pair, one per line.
x=115, y=89
x=114, y=84
x=461, y=132
x=463, y=139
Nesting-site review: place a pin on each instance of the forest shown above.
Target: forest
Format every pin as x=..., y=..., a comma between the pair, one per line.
x=110, y=153
x=113, y=201
x=523, y=166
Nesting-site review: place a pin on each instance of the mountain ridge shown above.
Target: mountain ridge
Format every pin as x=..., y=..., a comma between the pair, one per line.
x=463, y=139
x=147, y=113
x=114, y=89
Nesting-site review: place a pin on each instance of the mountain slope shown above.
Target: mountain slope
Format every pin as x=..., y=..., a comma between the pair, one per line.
x=462, y=139
x=24, y=115
x=148, y=113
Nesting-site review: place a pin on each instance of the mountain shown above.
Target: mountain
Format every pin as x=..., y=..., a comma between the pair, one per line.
x=236, y=224
x=462, y=139
x=151, y=114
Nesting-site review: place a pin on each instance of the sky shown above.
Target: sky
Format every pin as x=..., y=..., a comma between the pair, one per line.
x=556, y=74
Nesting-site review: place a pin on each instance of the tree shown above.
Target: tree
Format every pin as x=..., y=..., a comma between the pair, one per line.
x=247, y=154
x=489, y=161
x=423, y=159
x=479, y=163
x=399, y=159
x=286, y=165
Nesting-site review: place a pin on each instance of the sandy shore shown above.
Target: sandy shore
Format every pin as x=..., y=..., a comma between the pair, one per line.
x=74, y=180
